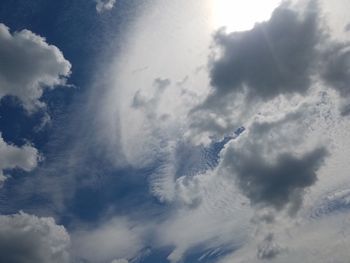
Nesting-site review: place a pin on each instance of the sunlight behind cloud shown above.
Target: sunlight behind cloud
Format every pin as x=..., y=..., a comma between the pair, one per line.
x=238, y=15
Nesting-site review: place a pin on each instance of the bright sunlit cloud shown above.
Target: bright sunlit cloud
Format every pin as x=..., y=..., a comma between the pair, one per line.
x=237, y=15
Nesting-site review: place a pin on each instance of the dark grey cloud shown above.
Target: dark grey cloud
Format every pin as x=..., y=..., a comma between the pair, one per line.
x=336, y=68
x=279, y=183
x=284, y=56
x=28, y=65
x=279, y=57
x=275, y=57
x=29, y=239
x=266, y=167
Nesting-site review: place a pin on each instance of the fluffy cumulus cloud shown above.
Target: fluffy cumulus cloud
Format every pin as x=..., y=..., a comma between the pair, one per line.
x=11, y=157
x=280, y=57
x=104, y=5
x=275, y=57
x=26, y=238
x=28, y=66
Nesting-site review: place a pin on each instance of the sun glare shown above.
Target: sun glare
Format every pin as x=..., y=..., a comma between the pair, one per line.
x=239, y=15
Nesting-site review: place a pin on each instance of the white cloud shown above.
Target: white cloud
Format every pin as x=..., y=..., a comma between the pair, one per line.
x=28, y=66
x=117, y=238
x=25, y=157
x=26, y=238
x=104, y=5
x=219, y=221
x=322, y=240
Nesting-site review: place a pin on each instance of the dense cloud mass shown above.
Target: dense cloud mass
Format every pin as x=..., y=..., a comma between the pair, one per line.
x=269, y=168
x=28, y=65
x=25, y=157
x=275, y=57
x=276, y=183
x=282, y=56
x=336, y=71
x=29, y=239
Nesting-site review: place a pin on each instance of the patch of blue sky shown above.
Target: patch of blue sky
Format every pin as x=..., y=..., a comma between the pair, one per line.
x=194, y=160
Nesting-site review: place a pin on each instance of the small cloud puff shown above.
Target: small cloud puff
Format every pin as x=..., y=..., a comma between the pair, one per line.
x=11, y=157
x=104, y=5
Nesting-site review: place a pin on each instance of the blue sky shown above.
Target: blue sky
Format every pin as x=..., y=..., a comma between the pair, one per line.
x=145, y=131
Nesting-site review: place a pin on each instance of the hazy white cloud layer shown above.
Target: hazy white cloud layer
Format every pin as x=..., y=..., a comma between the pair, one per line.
x=113, y=241
x=28, y=66
x=26, y=238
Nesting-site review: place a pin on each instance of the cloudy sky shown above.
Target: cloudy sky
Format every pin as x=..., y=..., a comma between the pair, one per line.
x=182, y=131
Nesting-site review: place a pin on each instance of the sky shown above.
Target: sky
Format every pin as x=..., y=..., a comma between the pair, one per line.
x=183, y=131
